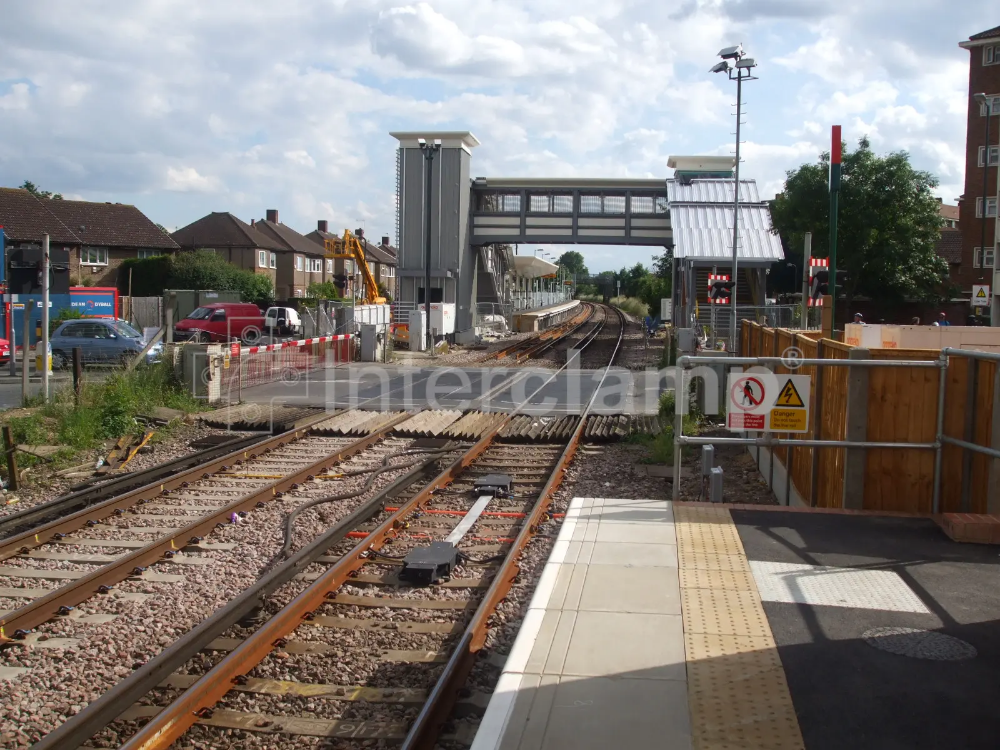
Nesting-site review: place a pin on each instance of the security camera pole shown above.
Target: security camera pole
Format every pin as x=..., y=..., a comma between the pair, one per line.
x=739, y=70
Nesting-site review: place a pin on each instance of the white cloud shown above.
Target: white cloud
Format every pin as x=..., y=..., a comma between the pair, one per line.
x=185, y=107
x=187, y=179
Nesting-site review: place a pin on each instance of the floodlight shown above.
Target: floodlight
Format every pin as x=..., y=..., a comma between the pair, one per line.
x=421, y=142
x=437, y=141
x=980, y=98
x=746, y=62
x=721, y=67
x=731, y=53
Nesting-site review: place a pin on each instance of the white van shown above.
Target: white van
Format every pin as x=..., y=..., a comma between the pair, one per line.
x=282, y=321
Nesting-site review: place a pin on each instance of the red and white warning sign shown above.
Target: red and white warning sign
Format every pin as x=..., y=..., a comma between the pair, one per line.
x=765, y=402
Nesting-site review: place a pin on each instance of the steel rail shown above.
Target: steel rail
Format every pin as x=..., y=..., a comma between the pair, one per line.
x=124, y=482
x=95, y=716
x=436, y=710
x=541, y=336
x=570, y=328
x=99, y=581
x=174, y=720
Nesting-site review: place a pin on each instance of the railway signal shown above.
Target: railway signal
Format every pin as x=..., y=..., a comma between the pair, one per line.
x=720, y=289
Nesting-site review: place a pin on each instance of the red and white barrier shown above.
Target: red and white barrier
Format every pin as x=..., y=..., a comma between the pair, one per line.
x=288, y=361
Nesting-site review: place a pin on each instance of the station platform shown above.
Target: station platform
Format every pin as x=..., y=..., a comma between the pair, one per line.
x=545, y=317
x=704, y=626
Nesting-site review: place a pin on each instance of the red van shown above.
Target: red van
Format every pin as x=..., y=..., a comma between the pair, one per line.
x=222, y=321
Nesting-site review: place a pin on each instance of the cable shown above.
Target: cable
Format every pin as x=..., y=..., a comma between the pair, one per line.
x=374, y=473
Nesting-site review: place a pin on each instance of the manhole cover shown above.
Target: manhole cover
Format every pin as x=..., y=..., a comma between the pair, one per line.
x=920, y=644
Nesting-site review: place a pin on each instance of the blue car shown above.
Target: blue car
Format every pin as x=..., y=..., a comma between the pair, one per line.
x=105, y=342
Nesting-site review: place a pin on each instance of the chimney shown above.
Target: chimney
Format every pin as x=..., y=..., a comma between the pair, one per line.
x=272, y=215
x=385, y=240
x=253, y=222
x=940, y=200
x=322, y=225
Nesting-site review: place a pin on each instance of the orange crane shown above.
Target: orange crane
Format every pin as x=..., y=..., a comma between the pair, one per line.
x=350, y=248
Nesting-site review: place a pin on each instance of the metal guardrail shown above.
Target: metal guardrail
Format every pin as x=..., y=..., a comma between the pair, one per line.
x=768, y=441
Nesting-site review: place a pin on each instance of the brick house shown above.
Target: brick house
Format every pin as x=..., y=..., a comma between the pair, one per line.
x=975, y=224
x=232, y=238
x=98, y=236
x=383, y=261
x=300, y=264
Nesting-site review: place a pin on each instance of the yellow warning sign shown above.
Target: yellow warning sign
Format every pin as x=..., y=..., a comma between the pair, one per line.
x=981, y=294
x=789, y=420
x=789, y=396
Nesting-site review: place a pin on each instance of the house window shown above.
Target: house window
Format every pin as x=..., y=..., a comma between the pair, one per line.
x=94, y=256
x=349, y=267
x=317, y=265
x=298, y=262
x=991, y=207
x=993, y=102
x=298, y=292
x=274, y=260
x=329, y=266
x=994, y=155
x=984, y=259
x=262, y=258
x=148, y=253
x=991, y=55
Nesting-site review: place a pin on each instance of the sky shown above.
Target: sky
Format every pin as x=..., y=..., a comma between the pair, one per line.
x=182, y=107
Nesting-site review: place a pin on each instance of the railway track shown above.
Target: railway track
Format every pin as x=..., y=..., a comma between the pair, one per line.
x=537, y=344
x=50, y=569
x=401, y=650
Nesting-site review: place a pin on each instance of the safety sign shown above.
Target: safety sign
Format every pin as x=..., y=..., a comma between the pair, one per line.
x=766, y=402
x=980, y=295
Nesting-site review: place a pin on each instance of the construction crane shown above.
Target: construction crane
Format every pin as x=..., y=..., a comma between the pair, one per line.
x=351, y=249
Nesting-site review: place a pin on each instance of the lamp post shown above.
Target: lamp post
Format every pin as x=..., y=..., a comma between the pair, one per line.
x=428, y=150
x=739, y=68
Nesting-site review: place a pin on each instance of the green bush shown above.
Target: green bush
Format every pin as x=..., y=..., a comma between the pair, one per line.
x=27, y=430
x=323, y=290
x=197, y=270
x=634, y=307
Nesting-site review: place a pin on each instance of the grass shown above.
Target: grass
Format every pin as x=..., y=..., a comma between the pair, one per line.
x=634, y=307
x=661, y=447
x=106, y=410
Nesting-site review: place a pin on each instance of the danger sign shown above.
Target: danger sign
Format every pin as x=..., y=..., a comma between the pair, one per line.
x=765, y=402
x=980, y=295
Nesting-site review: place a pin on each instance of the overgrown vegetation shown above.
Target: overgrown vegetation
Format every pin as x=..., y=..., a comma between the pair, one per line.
x=199, y=270
x=634, y=307
x=106, y=410
x=322, y=290
x=648, y=286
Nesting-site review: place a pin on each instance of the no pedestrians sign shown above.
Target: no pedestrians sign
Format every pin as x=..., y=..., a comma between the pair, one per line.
x=765, y=402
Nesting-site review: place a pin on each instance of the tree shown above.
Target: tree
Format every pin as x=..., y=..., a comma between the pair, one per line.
x=199, y=270
x=887, y=227
x=323, y=290
x=33, y=189
x=630, y=279
x=572, y=261
x=662, y=264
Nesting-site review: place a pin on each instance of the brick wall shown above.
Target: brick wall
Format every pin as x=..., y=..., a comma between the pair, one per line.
x=986, y=79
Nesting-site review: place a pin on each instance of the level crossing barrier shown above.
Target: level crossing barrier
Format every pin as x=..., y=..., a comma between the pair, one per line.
x=287, y=362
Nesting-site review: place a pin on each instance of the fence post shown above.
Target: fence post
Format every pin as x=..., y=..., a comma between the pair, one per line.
x=971, y=386
x=857, y=430
x=10, y=451
x=77, y=373
x=817, y=429
x=993, y=489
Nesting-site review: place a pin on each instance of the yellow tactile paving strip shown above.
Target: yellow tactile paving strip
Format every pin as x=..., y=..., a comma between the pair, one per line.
x=736, y=685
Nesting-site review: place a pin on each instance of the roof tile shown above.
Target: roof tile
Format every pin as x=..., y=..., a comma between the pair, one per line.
x=995, y=31
x=222, y=229
x=26, y=218
x=110, y=224
x=949, y=245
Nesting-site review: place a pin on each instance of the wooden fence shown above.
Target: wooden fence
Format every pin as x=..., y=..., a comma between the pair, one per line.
x=902, y=407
